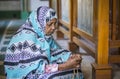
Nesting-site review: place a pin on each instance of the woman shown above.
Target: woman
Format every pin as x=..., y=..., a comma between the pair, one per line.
x=33, y=53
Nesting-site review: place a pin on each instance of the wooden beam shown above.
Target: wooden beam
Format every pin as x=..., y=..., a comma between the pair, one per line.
x=74, y=48
x=64, y=31
x=95, y=17
x=83, y=34
x=59, y=9
x=114, y=20
x=59, y=34
x=71, y=19
x=64, y=23
x=114, y=43
x=87, y=48
x=50, y=3
x=114, y=59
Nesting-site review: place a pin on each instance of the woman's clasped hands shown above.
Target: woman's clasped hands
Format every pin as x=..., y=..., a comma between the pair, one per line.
x=74, y=61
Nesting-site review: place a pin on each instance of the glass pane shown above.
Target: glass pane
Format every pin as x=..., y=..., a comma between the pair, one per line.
x=65, y=10
x=85, y=16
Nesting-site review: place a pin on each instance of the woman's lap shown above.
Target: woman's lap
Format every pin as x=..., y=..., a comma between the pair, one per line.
x=68, y=74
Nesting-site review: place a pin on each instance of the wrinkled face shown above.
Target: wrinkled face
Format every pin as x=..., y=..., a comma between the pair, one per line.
x=50, y=26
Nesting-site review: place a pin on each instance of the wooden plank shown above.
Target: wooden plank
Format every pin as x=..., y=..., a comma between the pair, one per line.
x=59, y=9
x=118, y=19
x=114, y=59
x=59, y=34
x=114, y=43
x=50, y=3
x=89, y=50
x=95, y=17
x=71, y=19
x=64, y=31
x=83, y=34
x=64, y=23
x=114, y=20
x=75, y=17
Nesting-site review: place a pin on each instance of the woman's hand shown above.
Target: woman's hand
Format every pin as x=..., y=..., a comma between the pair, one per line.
x=73, y=62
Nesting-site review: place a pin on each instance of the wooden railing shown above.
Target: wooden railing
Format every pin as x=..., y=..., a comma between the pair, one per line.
x=94, y=25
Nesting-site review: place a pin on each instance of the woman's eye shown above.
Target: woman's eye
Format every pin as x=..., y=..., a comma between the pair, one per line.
x=49, y=24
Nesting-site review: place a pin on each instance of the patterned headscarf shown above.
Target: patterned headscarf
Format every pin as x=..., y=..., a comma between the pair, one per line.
x=39, y=18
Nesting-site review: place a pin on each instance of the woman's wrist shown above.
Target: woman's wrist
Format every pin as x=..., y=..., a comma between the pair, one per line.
x=62, y=67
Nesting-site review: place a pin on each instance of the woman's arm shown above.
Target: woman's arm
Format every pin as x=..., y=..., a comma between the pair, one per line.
x=73, y=62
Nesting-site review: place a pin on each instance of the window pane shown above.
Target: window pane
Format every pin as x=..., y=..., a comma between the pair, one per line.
x=65, y=10
x=85, y=16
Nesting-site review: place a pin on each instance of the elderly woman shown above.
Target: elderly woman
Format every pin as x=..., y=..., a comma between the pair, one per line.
x=34, y=54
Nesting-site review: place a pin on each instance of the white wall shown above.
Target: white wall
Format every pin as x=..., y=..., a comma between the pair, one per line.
x=34, y=4
x=10, y=5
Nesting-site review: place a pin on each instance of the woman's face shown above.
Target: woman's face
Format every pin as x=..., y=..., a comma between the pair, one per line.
x=50, y=26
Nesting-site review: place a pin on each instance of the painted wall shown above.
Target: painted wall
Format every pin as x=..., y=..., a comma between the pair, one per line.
x=19, y=8
x=10, y=9
x=34, y=4
x=10, y=5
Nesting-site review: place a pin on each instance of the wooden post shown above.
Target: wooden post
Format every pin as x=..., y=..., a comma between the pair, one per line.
x=114, y=20
x=59, y=34
x=50, y=3
x=101, y=68
x=72, y=46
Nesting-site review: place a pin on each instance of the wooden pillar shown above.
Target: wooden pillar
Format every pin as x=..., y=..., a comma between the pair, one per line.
x=114, y=21
x=72, y=46
x=101, y=68
x=50, y=3
x=59, y=35
x=118, y=22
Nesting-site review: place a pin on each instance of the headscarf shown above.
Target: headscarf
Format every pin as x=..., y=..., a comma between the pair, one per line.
x=39, y=18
